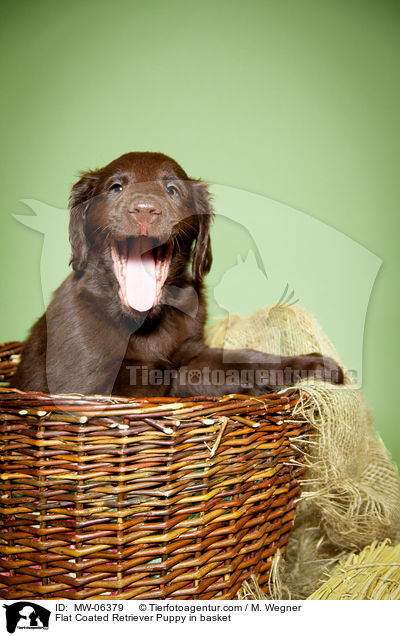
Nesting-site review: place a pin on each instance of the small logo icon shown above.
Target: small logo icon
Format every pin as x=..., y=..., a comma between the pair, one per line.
x=26, y=615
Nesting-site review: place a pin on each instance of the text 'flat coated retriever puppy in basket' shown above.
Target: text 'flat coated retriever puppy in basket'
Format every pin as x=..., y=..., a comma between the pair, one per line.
x=129, y=320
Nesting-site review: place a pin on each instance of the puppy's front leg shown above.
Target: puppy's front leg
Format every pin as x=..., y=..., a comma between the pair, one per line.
x=219, y=371
x=73, y=348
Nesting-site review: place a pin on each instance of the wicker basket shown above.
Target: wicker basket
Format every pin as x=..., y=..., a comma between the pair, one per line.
x=149, y=499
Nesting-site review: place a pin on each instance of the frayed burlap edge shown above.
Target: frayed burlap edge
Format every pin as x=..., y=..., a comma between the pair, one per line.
x=351, y=491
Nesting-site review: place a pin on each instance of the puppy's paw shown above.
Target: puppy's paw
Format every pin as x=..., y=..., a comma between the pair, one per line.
x=320, y=367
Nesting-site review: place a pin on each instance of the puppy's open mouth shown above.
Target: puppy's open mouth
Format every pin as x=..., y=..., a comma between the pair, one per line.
x=141, y=269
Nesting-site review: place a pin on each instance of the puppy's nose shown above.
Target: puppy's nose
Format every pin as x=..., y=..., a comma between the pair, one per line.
x=144, y=207
x=145, y=213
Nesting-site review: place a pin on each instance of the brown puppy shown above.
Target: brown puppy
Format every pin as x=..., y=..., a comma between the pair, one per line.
x=130, y=318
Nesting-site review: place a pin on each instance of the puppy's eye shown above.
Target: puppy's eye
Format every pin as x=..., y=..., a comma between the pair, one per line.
x=116, y=187
x=172, y=190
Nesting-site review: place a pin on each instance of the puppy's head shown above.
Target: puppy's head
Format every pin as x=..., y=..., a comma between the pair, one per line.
x=149, y=216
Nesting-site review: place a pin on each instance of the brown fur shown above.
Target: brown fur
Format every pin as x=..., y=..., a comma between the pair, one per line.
x=88, y=341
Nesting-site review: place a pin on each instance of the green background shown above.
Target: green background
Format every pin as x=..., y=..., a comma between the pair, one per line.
x=295, y=101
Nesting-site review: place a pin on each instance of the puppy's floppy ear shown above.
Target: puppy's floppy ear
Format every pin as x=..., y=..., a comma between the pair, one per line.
x=79, y=201
x=202, y=255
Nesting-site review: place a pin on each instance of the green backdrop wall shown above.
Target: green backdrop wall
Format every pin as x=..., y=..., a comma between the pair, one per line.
x=294, y=101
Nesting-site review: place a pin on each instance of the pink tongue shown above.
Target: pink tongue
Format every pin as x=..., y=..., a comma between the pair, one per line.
x=140, y=274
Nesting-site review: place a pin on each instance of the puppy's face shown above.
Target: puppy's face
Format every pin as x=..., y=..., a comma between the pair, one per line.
x=147, y=213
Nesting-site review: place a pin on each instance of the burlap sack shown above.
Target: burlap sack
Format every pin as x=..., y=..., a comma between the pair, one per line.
x=351, y=492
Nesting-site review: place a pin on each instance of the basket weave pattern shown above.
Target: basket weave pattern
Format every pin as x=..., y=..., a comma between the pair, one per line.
x=149, y=499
